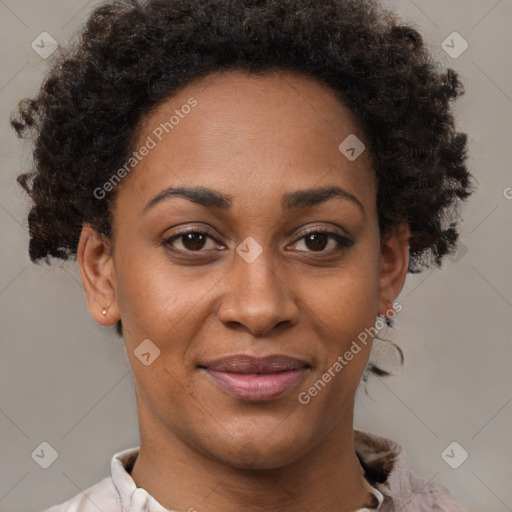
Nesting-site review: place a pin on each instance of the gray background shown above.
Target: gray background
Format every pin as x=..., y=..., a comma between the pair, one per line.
x=66, y=380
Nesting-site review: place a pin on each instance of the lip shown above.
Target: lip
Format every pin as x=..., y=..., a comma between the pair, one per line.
x=256, y=379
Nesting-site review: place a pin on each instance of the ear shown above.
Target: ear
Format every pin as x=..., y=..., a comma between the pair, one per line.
x=98, y=278
x=394, y=262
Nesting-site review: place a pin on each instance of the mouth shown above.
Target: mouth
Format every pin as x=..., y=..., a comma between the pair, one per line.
x=256, y=379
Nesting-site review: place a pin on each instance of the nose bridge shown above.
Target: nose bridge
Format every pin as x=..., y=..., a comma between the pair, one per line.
x=256, y=295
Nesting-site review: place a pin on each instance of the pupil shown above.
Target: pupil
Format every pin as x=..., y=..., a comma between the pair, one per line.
x=315, y=238
x=189, y=241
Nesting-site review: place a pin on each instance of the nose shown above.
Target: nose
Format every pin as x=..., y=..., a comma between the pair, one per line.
x=257, y=296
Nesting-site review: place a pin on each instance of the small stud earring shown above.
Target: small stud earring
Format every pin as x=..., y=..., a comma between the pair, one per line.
x=104, y=311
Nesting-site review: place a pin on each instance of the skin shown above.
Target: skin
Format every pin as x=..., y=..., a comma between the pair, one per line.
x=254, y=138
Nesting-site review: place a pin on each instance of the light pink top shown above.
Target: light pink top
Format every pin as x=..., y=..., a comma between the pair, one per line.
x=383, y=459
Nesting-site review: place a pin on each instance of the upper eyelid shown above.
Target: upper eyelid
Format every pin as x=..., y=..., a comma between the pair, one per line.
x=192, y=230
x=319, y=229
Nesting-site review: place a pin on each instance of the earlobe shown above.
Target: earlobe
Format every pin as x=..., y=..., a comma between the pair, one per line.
x=394, y=263
x=98, y=278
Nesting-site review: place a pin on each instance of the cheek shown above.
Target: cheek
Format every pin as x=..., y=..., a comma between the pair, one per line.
x=155, y=298
x=343, y=311
x=343, y=319
x=347, y=299
x=160, y=302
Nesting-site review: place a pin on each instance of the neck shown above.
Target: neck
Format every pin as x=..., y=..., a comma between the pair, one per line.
x=327, y=478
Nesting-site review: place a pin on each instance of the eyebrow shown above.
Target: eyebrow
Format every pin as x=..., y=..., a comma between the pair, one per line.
x=210, y=198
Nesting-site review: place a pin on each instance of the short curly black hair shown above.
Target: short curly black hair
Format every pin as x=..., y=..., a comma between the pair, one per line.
x=133, y=55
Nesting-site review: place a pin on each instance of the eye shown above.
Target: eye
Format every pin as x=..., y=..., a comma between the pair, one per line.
x=314, y=241
x=318, y=240
x=190, y=241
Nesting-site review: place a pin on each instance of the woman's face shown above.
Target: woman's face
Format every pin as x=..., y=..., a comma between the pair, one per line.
x=258, y=157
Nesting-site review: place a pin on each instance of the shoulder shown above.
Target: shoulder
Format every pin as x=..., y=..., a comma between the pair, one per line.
x=428, y=497
x=100, y=496
x=386, y=462
x=108, y=494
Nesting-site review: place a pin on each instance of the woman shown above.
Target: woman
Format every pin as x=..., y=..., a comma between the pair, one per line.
x=245, y=185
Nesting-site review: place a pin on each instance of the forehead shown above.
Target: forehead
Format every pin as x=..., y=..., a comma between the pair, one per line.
x=247, y=133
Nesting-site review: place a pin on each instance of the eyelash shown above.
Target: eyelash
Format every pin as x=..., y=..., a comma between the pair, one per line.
x=343, y=242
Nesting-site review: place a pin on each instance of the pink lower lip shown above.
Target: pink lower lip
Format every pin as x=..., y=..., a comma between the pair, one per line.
x=256, y=386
